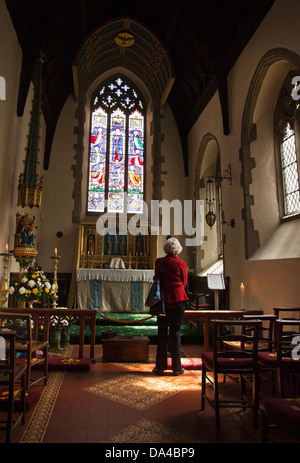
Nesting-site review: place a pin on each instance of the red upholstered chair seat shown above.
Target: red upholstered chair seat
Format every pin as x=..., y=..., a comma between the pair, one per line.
x=226, y=362
x=285, y=412
x=188, y=363
x=31, y=399
x=281, y=413
x=269, y=360
x=60, y=364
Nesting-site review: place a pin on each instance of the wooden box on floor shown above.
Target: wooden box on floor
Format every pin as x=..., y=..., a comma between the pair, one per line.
x=126, y=349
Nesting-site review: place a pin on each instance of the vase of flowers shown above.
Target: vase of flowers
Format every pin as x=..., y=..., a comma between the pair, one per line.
x=65, y=335
x=54, y=335
x=33, y=286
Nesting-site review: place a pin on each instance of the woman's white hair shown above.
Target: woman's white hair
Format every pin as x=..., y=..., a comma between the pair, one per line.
x=172, y=246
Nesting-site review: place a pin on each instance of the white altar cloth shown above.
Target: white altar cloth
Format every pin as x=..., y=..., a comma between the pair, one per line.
x=115, y=274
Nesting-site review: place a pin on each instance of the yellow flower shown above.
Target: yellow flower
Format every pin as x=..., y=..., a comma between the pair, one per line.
x=35, y=290
x=46, y=290
x=33, y=276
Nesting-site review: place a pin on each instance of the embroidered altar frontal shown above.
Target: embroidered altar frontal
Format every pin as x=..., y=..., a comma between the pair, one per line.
x=113, y=290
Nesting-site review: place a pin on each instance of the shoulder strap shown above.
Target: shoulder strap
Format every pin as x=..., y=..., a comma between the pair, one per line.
x=161, y=274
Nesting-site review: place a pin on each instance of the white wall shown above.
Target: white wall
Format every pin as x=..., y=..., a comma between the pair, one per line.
x=55, y=214
x=268, y=282
x=10, y=124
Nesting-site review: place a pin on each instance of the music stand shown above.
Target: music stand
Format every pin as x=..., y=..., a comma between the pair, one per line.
x=217, y=283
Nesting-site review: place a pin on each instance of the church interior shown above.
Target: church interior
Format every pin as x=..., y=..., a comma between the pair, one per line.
x=123, y=123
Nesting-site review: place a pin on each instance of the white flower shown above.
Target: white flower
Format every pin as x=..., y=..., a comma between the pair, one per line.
x=53, y=287
x=24, y=280
x=22, y=290
x=47, y=285
x=31, y=283
x=11, y=290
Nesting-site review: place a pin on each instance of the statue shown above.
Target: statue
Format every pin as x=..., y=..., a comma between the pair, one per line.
x=122, y=245
x=25, y=229
x=109, y=245
x=24, y=249
x=116, y=245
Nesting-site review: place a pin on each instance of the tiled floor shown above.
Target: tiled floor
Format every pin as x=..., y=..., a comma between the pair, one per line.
x=115, y=403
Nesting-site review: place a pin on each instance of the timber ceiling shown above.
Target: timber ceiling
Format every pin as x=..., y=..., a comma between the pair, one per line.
x=203, y=39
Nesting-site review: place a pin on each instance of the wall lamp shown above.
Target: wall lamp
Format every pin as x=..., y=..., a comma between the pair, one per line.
x=226, y=175
x=231, y=223
x=210, y=216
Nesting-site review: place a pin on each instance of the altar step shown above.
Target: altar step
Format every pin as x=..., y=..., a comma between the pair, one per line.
x=133, y=325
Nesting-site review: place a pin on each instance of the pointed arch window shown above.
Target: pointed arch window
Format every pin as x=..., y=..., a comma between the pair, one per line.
x=117, y=150
x=290, y=171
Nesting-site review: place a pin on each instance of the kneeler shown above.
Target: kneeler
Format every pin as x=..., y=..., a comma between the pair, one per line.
x=188, y=363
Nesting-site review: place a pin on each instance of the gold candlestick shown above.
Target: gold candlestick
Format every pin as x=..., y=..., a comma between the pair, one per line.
x=4, y=285
x=55, y=258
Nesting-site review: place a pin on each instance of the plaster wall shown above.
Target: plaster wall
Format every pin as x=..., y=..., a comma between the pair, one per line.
x=269, y=279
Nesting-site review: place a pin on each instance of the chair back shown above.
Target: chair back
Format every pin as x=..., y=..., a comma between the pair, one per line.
x=266, y=331
x=21, y=324
x=286, y=332
x=8, y=362
x=247, y=332
x=287, y=313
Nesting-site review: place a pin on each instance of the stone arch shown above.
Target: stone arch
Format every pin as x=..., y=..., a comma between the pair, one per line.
x=99, y=57
x=249, y=135
x=207, y=162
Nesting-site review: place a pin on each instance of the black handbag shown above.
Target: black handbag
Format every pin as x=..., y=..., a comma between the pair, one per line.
x=155, y=299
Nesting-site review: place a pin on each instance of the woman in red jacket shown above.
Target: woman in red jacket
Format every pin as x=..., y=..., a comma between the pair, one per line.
x=174, y=282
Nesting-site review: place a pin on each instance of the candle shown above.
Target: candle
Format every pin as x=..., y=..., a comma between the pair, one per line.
x=55, y=251
x=242, y=288
x=6, y=247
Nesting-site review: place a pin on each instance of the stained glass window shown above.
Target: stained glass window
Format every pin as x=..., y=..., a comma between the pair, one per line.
x=290, y=171
x=116, y=166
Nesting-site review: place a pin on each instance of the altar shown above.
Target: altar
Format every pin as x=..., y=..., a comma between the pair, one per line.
x=113, y=290
x=113, y=272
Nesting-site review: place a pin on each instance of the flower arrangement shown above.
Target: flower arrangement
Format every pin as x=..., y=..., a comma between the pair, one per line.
x=33, y=285
x=59, y=337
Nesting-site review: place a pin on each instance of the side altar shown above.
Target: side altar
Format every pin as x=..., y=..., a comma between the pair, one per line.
x=114, y=272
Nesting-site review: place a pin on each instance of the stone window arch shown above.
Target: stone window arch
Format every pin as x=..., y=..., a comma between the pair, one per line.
x=117, y=149
x=287, y=147
x=261, y=212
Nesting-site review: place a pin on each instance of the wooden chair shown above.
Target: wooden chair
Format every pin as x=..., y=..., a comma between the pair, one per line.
x=200, y=300
x=11, y=375
x=266, y=333
x=232, y=362
x=282, y=361
x=287, y=312
x=27, y=346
